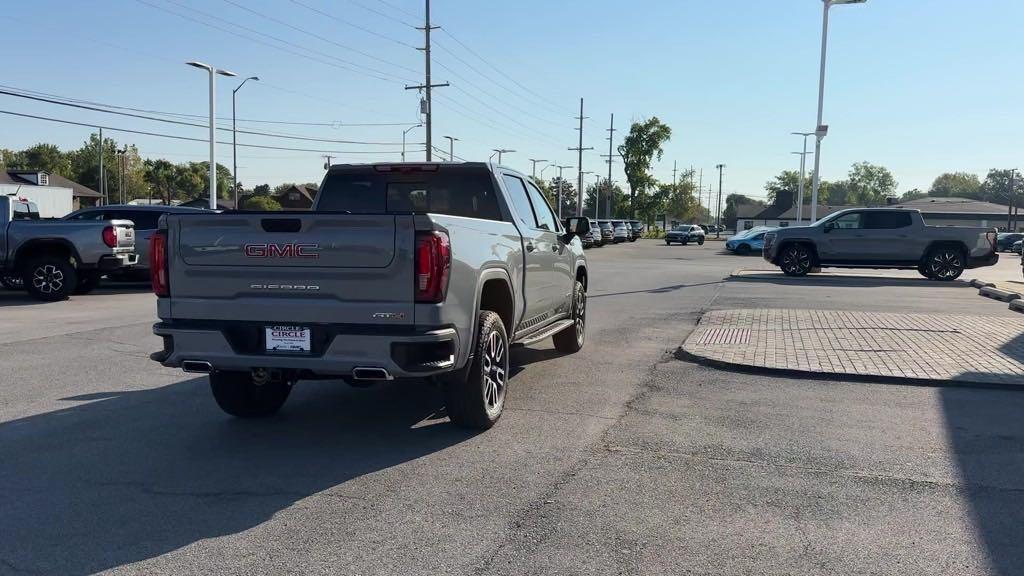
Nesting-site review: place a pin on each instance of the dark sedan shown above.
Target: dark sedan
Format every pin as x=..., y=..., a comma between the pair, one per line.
x=1006, y=240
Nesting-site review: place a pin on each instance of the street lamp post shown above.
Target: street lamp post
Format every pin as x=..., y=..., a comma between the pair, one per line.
x=533, y=172
x=559, y=194
x=718, y=215
x=803, y=167
x=451, y=148
x=499, y=152
x=545, y=168
x=213, y=125
x=821, y=129
x=234, y=140
x=404, y=132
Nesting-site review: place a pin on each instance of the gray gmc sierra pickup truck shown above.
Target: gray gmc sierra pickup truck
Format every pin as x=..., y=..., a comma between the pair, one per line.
x=881, y=238
x=53, y=259
x=401, y=270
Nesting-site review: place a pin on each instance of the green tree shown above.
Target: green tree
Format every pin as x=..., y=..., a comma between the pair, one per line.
x=160, y=177
x=568, y=196
x=914, y=194
x=956, y=184
x=731, y=202
x=45, y=157
x=870, y=184
x=996, y=187
x=638, y=150
x=262, y=202
x=262, y=190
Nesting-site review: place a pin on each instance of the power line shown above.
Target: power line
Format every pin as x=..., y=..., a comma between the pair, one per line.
x=382, y=14
x=192, y=124
x=498, y=70
x=348, y=65
x=191, y=139
x=356, y=26
x=399, y=8
x=502, y=114
x=319, y=37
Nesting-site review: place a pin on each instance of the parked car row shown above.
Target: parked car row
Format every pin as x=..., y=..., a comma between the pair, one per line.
x=612, y=232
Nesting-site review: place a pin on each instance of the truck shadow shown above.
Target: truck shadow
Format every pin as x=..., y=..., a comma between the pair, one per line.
x=130, y=476
x=986, y=432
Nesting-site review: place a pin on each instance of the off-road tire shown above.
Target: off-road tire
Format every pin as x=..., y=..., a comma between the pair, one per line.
x=571, y=339
x=945, y=263
x=50, y=278
x=474, y=397
x=700, y=241
x=796, y=260
x=241, y=395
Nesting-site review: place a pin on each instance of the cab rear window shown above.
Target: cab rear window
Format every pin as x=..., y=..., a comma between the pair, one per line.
x=450, y=190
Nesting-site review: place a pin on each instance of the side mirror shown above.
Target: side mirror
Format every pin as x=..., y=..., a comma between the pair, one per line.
x=578, y=225
x=829, y=226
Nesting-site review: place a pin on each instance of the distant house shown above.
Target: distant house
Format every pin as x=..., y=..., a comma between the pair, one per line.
x=936, y=212
x=50, y=191
x=204, y=202
x=296, y=197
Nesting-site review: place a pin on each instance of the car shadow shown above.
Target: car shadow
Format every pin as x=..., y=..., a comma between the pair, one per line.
x=842, y=281
x=129, y=476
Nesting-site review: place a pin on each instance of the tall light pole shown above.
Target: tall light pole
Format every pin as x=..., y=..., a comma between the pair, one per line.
x=234, y=139
x=451, y=147
x=545, y=168
x=533, y=172
x=718, y=215
x=213, y=125
x=821, y=130
x=499, y=152
x=559, y=194
x=404, y=132
x=803, y=167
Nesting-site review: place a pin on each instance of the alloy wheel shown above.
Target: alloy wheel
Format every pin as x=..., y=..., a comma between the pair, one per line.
x=495, y=372
x=946, y=264
x=581, y=316
x=48, y=279
x=796, y=260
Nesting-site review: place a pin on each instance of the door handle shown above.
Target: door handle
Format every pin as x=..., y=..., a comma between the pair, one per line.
x=529, y=247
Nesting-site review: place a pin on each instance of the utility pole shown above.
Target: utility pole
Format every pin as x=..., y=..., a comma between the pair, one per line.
x=608, y=193
x=327, y=162
x=426, y=106
x=674, y=170
x=1010, y=195
x=700, y=192
x=533, y=172
x=579, y=164
x=718, y=219
x=103, y=189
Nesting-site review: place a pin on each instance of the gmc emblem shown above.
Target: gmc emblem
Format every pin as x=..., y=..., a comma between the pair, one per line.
x=289, y=250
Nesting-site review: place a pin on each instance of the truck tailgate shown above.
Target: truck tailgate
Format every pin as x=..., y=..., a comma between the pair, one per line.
x=308, y=268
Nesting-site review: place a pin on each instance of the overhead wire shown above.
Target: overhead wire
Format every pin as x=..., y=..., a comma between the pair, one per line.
x=353, y=25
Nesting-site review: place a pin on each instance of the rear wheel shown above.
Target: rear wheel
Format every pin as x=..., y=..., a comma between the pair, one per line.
x=570, y=340
x=700, y=241
x=50, y=278
x=796, y=260
x=475, y=396
x=923, y=270
x=254, y=394
x=743, y=249
x=668, y=242
x=945, y=263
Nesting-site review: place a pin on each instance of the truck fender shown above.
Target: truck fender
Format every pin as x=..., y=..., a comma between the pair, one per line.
x=509, y=312
x=937, y=243
x=41, y=244
x=798, y=240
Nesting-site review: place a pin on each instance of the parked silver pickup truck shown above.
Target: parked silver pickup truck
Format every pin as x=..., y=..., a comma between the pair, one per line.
x=881, y=238
x=400, y=270
x=53, y=259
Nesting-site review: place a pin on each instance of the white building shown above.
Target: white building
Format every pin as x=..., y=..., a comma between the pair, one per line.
x=54, y=194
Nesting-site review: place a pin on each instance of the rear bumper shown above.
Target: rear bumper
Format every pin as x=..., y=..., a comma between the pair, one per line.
x=981, y=261
x=110, y=262
x=336, y=349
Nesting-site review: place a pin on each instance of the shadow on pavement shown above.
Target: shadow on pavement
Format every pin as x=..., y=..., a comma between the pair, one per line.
x=662, y=290
x=843, y=281
x=134, y=475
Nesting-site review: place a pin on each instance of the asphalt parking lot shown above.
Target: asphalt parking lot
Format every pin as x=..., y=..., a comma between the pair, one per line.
x=621, y=459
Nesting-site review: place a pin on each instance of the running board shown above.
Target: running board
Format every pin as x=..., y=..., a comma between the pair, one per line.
x=545, y=333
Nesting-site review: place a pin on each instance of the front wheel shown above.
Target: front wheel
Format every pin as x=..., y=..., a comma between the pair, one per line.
x=743, y=249
x=700, y=241
x=50, y=278
x=570, y=340
x=923, y=271
x=796, y=260
x=668, y=242
x=254, y=394
x=945, y=263
x=475, y=396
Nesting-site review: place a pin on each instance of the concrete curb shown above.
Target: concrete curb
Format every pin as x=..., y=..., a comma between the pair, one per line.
x=997, y=294
x=981, y=283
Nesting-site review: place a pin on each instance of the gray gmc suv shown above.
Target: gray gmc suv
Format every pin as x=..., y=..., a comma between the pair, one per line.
x=401, y=270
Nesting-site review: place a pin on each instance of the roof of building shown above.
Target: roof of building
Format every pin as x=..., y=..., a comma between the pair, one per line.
x=301, y=189
x=953, y=205
x=754, y=212
x=14, y=177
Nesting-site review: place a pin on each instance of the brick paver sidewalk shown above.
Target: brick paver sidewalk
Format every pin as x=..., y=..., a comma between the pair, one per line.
x=919, y=346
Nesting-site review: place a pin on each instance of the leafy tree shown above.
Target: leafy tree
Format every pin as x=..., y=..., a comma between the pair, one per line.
x=160, y=176
x=568, y=195
x=638, y=150
x=996, y=187
x=787, y=183
x=45, y=157
x=620, y=207
x=914, y=194
x=956, y=184
x=731, y=202
x=262, y=202
x=262, y=190
x=870, y=184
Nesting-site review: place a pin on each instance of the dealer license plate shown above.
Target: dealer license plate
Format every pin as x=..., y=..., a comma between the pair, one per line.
x=287, y=339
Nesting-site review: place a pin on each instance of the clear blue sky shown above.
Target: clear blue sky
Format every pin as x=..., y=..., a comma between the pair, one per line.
x=920, y=87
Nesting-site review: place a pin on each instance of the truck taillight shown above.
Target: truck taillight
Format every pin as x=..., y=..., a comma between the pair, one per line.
x=433, y=263
x=158, y=273
x=110, y=236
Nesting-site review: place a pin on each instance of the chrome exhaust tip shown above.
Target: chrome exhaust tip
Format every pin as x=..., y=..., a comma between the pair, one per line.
x=196, y=366
x=369, y=373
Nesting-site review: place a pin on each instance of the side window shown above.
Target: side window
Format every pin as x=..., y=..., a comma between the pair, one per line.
x=545, y=219
x=849, y=221
x=521, y=202
x=143, y=220
x=886, y=220
x=90, y=215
